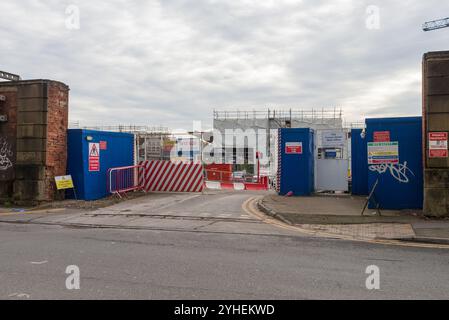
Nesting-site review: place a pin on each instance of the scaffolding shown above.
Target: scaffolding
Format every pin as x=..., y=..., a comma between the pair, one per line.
x=354, y=125
x=151, y=142
x=280, y=114
x=123, y=128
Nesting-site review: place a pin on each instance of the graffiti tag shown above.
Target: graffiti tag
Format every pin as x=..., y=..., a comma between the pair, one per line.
x=398, y=171
x=5, y=155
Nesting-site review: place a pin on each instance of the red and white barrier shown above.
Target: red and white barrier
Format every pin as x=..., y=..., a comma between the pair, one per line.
x=168, y=176
x=224, y=185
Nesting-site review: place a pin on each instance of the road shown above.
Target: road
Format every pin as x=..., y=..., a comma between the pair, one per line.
x=203, y=247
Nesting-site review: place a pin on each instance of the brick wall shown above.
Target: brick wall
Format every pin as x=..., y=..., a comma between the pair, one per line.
x=57, y=115
x=8, y=129
x=40, y=123
x=436, y=119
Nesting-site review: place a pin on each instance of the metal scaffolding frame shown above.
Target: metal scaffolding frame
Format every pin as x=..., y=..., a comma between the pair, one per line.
x=279, y=114
x=124, y=128
x=9, y=76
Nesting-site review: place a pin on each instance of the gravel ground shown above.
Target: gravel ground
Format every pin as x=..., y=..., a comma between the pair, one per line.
x=78, y=204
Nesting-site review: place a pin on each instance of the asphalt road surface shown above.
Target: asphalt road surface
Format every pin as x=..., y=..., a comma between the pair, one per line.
x=204, y=247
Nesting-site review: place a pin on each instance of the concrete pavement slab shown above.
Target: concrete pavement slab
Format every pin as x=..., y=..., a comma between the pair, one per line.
x=98, y=220
x=390, y=231
x=316, y=214
x=165, y=223
x=330, y=210
x=246, y=228
x=153, y=203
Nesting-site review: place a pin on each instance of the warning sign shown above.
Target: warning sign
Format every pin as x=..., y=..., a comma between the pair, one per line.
x=438, y=145
x=64, y=182
x=382, y=136
x=94, y=157
x=333, y=138
x=293, y=148
x=103, y=145
x=383, y=152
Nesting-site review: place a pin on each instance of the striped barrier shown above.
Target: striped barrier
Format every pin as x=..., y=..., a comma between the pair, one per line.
x=263, y=184
x=168, y=176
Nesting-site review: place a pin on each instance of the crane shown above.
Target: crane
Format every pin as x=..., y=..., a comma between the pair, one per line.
x=436, y=24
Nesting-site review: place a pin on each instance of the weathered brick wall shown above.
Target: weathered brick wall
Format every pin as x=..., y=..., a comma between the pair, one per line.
x=8, y=129
x=57, y=118
x=40, y=124
x=436, y=119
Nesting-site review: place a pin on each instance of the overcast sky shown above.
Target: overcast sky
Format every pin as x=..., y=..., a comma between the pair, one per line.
x=173, y=61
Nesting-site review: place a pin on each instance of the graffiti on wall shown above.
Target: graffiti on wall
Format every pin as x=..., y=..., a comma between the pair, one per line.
x=6, y=155
x=398, y=171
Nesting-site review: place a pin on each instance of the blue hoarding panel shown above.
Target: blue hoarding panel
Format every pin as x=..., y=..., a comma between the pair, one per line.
x=89, y=173
x=400, y=184
x=359, y=163
x=296, y=162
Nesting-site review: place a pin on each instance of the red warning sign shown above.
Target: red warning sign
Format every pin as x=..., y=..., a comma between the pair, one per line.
x=293, y=148
x=94, y=157
x=103, y=145
x=382, y=136
x=438, y=145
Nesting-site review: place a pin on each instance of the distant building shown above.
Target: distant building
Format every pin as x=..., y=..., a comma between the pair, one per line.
x=258, y=131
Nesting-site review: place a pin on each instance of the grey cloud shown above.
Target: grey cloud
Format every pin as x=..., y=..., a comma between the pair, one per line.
x=170, y=62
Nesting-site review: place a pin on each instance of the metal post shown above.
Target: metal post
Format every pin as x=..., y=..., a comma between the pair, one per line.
x=161, y=148
x=145, y=147
x=9, y=76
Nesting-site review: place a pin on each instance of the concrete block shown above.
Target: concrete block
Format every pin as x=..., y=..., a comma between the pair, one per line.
x=437, y=68
x=31, y=131
x=31, y=172
x=31, y=158
x=33, y=117
x=438, y=104
x=30, y=145
x=437, y=162
x=436, y=202
x=32, y=104
x=4, y=88
x=6, y=190
x=438, y=85
x=29, y=190
x=35, y=90
x=436, y=178
x=438, y=122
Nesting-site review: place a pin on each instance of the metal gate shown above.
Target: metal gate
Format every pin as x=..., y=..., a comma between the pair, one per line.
x=331, y=160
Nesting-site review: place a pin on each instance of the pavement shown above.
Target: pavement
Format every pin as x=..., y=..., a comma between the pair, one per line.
x=204, y=246
x=209, y=212
x=220, y=211
x=341, y=216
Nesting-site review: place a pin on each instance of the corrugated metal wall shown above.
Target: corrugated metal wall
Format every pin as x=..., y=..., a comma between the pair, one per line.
x=119, y=152
x=296, y=171
x=400, y=185
x=359, y=163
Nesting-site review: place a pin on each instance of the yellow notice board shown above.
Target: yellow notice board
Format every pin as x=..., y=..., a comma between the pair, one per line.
x=64, y=182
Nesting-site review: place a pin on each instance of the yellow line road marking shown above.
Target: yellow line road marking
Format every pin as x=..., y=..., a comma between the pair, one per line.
x=249, y=206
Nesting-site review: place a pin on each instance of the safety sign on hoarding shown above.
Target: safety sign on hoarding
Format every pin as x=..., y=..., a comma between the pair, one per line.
x=334, y=138
x=103, y=145
x=383, y=153
x=438, y=145
x=381, y=136
x=293, y=148
x=94, y=157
